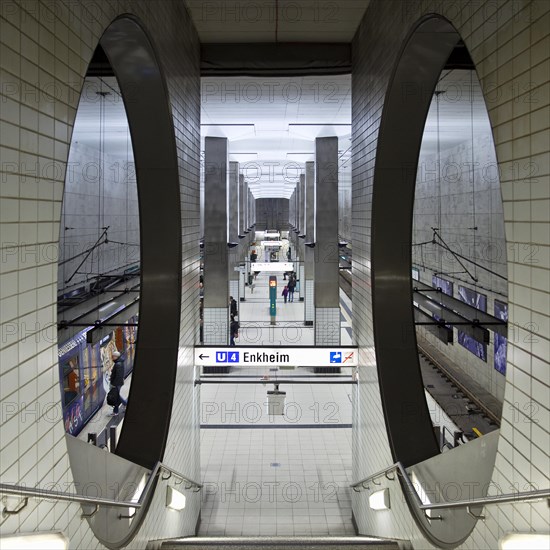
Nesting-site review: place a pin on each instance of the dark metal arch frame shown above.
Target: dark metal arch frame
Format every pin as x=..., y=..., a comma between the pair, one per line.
x=423, y=56
x=145, y=95
x=406, y=106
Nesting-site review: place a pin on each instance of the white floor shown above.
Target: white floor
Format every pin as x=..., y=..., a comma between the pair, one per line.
x=276, y=482
x=277, y=474
x=289, y=330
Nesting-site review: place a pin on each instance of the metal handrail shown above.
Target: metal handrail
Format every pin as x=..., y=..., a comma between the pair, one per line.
x=458, y=440
x=498, y=499
x=34, y=492
x=381, y=473
x=476, y=502
x=198, y=486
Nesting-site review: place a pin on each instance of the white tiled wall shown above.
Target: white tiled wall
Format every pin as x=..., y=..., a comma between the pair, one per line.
x=216, y=326
x=509, y=43
x=448, y=203
x=327, y=326
x=45, y=51
x=308, y=300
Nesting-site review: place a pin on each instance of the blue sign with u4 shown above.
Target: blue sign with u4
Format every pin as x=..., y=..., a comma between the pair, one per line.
x=227, y=357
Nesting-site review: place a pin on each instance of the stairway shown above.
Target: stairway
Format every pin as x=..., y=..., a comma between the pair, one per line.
x=277, y=543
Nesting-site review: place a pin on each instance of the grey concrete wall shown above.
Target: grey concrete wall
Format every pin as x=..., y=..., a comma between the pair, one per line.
x=451, y=205
x=91, y=202
x=344, y=202
x=46, y=48
x=508, y=42
x=272, y=214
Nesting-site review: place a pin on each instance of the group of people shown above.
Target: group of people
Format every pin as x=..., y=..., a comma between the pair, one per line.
x=288, y=290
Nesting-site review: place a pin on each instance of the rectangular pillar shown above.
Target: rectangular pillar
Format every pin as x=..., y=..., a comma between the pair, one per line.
x=309, y=253
x=301, y=204
x=292, y=217
x=216, y=296
x=302, y=214
x=246, y=207
x=327, y=295
x=233, y=203
x=242, y=214
x=233, y=239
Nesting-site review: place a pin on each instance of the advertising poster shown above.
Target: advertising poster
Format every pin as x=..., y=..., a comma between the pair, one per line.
x=479, y=301
x=130, y=333
x=445, y=286
x=501, y=312
x=72, y=400
x=72, y=416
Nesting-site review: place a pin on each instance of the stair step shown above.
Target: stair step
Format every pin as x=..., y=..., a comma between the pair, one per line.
x=276, y=543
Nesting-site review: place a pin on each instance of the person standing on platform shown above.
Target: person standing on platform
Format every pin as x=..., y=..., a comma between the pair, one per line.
x=232, y=306
x=253, y=256
x=117, y=380
x=233, y=330
x=284, y=293
x=291, y=286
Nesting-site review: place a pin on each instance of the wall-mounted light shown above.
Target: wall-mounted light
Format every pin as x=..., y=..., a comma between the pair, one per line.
x=35, y=541
x=380, y=500
x=525, y=541
x=174, y=499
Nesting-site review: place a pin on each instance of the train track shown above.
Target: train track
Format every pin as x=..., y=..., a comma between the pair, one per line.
x=458, y=401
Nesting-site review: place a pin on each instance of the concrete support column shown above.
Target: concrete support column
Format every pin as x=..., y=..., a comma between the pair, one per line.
x=300, y=253
x=327, y=295
x=303, y=209
x=296, y=217
x=291, y=212
x=233, y=203
x=233, y=239
x=293, y=237
x=298, y=207
x=243, y=241
x=216, y=261
x=309, y=253
x=246, y=225
x=290, y=222
x=249, y=235
x=242, y=216
x=302, y=204
x=249, y=200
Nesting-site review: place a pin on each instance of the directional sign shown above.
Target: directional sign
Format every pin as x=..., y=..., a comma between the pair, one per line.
x=280, y=357
x=272, y=266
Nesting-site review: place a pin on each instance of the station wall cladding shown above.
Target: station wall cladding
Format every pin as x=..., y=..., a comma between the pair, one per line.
x=272, y=214
x=110, y=193
x=46, y=49
x=461, y=201
x=509, y=45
